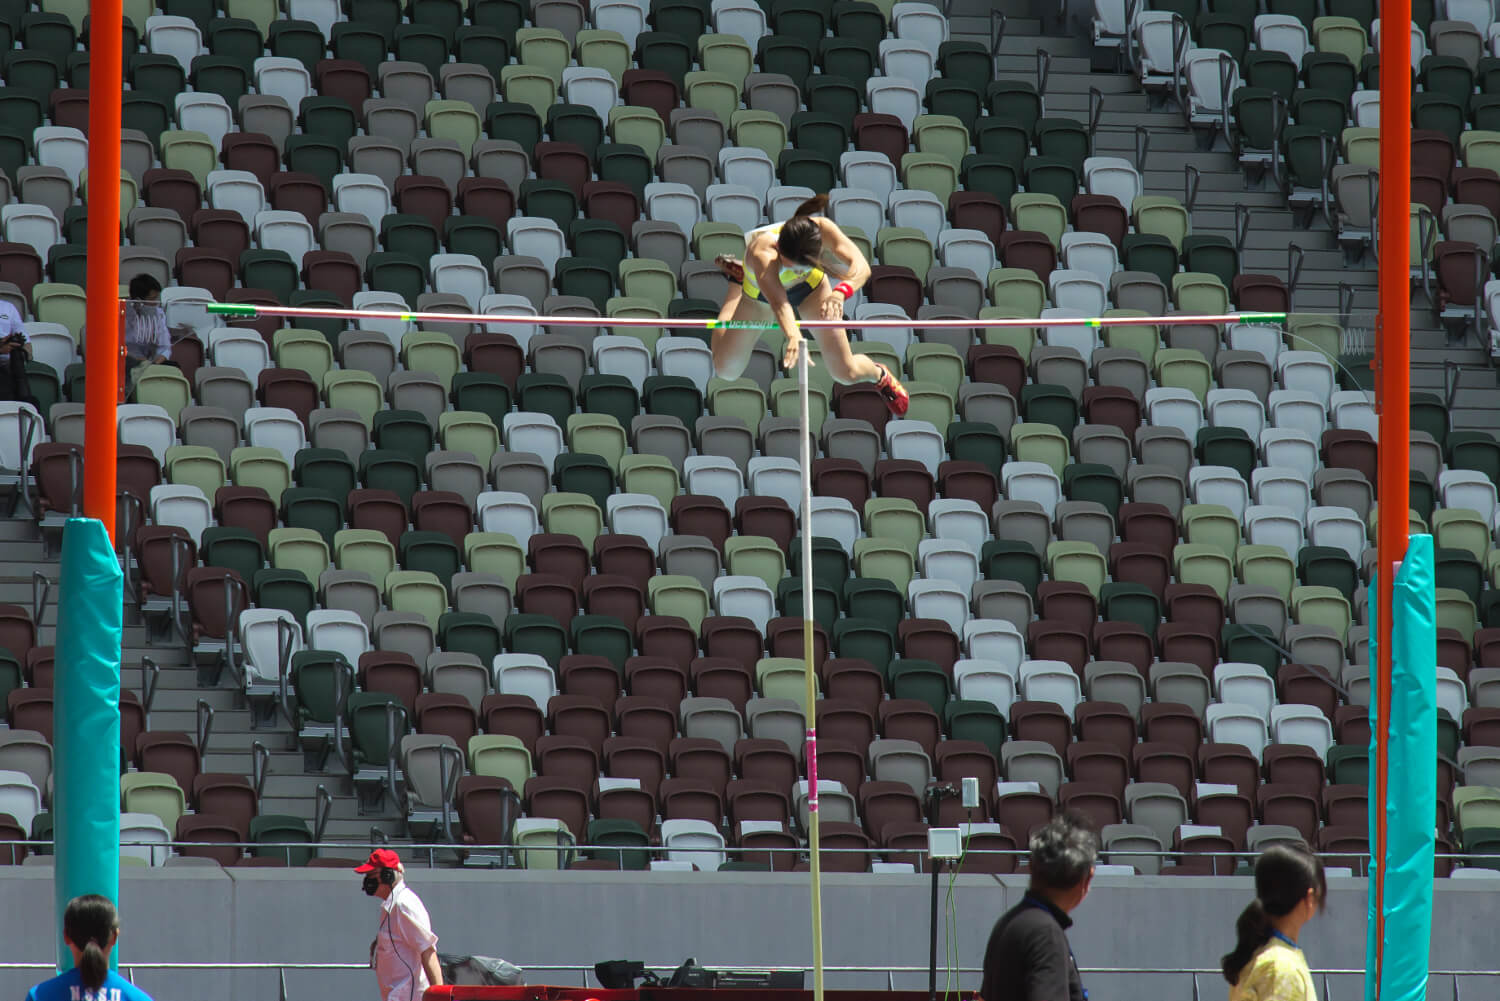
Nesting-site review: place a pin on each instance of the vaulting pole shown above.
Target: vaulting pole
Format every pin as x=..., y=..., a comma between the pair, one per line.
x=815, y=865
x=1393, y=363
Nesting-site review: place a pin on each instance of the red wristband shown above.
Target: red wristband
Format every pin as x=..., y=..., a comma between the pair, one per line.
x=845, y=289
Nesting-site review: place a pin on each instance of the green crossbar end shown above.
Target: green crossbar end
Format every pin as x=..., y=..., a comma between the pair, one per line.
x=231, y=309
x=1263, y=317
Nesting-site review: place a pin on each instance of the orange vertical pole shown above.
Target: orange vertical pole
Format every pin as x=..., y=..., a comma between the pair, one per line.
x=103, y=339
x=1393, y=363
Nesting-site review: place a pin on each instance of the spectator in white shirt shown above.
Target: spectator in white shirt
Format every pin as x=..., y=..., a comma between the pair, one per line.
x=15, y=352
x=147, y=339
x=404, y=952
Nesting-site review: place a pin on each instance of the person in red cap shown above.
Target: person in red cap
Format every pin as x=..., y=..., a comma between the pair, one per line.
x=404, y=952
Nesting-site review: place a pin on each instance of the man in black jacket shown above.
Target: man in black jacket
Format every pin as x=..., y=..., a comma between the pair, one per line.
x=1028, y=957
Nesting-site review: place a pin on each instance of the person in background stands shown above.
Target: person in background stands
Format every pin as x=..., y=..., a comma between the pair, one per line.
x=1267, y=964
x=1028, y=957
x=147, y=339
x=15, y=352
x=90, y=928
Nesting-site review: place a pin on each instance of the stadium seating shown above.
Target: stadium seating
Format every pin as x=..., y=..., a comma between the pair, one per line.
x=541, y=586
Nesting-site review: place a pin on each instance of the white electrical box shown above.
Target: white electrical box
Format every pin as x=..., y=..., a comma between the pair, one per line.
x=945, y=842
x=971, y=792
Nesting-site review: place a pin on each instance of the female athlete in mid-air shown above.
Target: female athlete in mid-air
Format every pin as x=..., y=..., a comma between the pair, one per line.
x=794, y=266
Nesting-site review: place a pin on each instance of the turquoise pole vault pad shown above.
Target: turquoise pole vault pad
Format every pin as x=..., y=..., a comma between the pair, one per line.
x=86, y=731
x=1410, y=808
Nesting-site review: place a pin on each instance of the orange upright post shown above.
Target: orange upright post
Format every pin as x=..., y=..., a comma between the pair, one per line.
x=103, y=330
x=1393, y=386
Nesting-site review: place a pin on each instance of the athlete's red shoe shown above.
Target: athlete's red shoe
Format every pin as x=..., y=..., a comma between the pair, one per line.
x=897, y=399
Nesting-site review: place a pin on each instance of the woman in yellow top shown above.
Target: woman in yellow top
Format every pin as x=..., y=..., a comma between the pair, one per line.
x=804, y=266
x=1266, y=964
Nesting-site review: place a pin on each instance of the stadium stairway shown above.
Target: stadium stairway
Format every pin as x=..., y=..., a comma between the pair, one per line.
x=1034, y=44
x=231, y=746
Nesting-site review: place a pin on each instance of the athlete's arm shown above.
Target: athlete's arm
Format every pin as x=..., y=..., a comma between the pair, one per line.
x=853, y=269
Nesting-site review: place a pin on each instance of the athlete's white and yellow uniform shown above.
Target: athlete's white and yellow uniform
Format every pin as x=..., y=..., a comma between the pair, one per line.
x=798, y=281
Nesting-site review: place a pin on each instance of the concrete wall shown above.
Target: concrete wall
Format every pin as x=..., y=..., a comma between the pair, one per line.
x=722, y=919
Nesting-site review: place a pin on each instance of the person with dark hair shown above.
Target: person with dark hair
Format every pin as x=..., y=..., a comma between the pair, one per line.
x=404, y=953
x=803, y=267
x=148, y=341
x=1028, y=957
x=15, y=352
x=90, y=928
x=1266, y=963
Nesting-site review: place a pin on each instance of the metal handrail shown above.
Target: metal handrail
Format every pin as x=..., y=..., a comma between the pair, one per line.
x=1328, y=151
x=1427, y=226
x=1229, y=71
x=127, y=520
x=1043, y=71
x=1293, y=271
x=433, y=846
x=851, y=968
x=449, y=772
x=1283, y=115
x=1192, y=179
x=205, y=725
x=129, y=572
x=41, y=590
x=232, y=635
x=284, y=638
x=1180, y=37
x=322, y=811
x=1142, y=147
x=260, y=767
x=392, y=746
x=27, y=425
x=1096, y=111
x=1481, y=268
x=1127, y=44
x=341, y=713
x=150, y=679
x=182, y=559
x=1241, y=227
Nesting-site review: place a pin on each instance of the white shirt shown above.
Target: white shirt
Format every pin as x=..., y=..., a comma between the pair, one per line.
x=10, y=323
x=146, y=333
x=405, y=933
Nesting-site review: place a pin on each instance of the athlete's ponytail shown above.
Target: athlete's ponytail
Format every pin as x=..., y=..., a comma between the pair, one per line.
x=813, y=206
x=801, y=237
x=90, y=923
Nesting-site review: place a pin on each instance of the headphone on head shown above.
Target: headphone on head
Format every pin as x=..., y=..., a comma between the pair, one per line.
x=374, y=881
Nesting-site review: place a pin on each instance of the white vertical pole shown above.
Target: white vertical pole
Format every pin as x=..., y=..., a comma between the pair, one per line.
x=814, y=834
